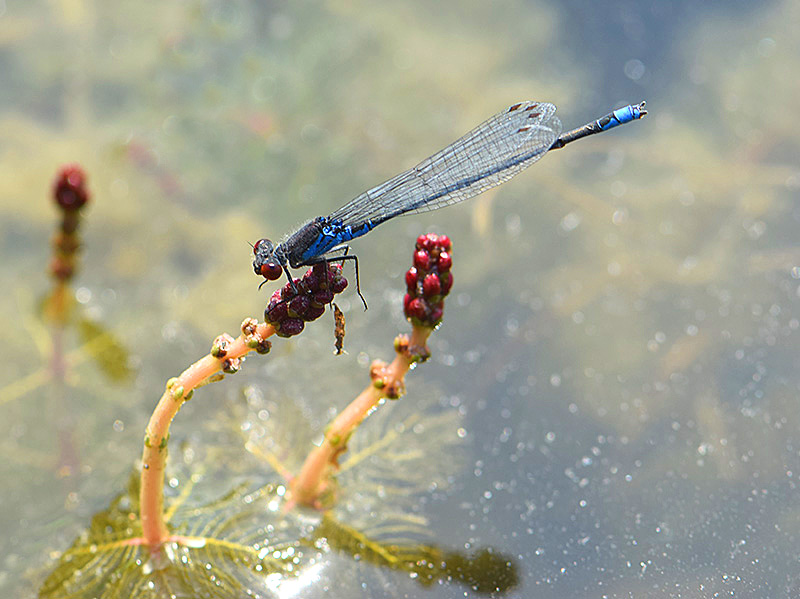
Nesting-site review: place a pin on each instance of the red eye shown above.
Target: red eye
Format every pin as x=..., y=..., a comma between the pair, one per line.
x=271, y=271
x=258, y=243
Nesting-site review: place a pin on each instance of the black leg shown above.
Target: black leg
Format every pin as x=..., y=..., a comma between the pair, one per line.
x=354, y=258
x=289, y=276
x=341, y=259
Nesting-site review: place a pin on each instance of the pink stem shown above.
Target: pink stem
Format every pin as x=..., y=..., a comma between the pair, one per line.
x=387, y=381
x=154, y=456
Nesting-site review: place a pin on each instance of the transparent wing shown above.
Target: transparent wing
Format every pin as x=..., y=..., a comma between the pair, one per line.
x=487, y=156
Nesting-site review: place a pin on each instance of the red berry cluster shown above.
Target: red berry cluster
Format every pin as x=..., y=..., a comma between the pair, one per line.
x=291, y=307
x=429, y=280
x=69, y=189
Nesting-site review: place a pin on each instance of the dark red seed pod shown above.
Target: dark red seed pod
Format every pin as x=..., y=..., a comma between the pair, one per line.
x=314, y=312
x=406, y=302
x=421, y=241
x=276, y=312
x=446, y=279
x=323, y=297
x=416, y=309
x=293, y=305
x=298, y=306
x=431, y=285
x=311, y=280
x=436, y=314
x=422, y=260
x=287, y=292
x=445, y=243
x=411, y=279
x=69, y=189
x=339, y=283
x=271, y=271
x=444, y=262
x=291, y=327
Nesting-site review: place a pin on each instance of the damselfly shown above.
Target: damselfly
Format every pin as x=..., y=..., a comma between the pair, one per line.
x=487, y=156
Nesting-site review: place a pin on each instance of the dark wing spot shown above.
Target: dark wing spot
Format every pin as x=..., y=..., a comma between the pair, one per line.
x=522, y=129
x=532, y=106
x=533, y=115
x=514, y=107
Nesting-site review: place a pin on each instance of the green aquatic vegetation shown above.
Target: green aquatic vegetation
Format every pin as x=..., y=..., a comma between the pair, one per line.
x=216, y=562
x=250, y=540
x=244, y=544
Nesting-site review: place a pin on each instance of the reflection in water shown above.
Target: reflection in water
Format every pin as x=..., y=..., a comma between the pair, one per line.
x=484, y=571
x=231, y=550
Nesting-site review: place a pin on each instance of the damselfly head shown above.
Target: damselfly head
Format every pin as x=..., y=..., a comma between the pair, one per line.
x=264, y=263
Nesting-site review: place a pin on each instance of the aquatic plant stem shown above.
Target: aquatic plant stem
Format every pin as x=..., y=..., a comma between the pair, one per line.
x=225, y=355
x=388, y=381
x=70, y=195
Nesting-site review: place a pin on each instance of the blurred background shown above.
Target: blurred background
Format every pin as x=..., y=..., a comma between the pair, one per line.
x=619, y=355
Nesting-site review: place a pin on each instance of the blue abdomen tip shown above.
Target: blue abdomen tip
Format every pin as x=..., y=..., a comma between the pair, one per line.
x=627, y=114
x=622, y=115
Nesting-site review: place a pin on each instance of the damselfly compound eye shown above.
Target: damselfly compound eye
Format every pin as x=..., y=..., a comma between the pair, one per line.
x=271, y=271
x=258, y=244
